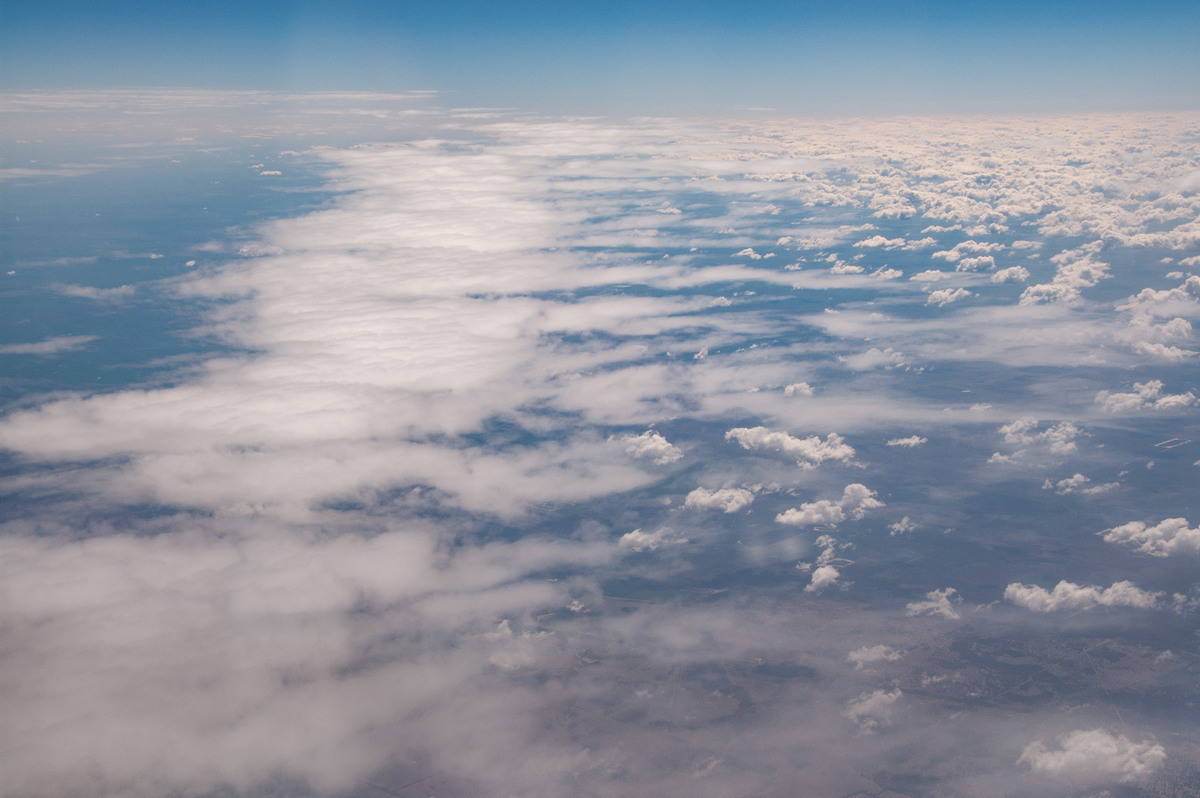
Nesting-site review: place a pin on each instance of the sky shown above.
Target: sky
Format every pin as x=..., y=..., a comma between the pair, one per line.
x=798, y=58
x=681, y=400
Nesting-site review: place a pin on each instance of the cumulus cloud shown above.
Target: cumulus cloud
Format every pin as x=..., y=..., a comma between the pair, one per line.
x=1013, y=274
x=937, y=602
x=1024, y=435
x=637, y=540
x=809, y=452
x=652, y=446
x=1079, y=484
x=911, y=442
x=1076, y=269
x=1070, y=596
x=1167, y=537
x=729, y=500
x=856, y=501
x=867, y=655
x=1144, y=396
x=873, y=711
x=1093, y=756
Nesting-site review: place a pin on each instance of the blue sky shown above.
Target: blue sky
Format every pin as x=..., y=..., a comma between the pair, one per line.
x=630, y=57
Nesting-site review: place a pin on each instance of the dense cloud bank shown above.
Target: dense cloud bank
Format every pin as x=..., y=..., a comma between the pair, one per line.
x=565, y=457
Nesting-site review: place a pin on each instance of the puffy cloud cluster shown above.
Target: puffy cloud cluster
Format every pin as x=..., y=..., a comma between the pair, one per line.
x=637, y=540
x=1079, y=484
x=1144, y=396
x=873, y=711
x=729, y=500
x=1076, y=269
x=944, y=296
x=809, y=452
x=1167, y=537
x=1070, y=596
x=1093, y=756
x=855, y=502
x=652, y=446
x=941, y=602
x=1024, y=436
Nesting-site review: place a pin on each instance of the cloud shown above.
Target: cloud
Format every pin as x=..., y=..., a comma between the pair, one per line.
x=729, y=500
x=652, y=446
x=856, y=501
x=944, y=296
x=1023, y=436
x=637, y=540
x=809, y=452
x=1167, y=537
x=1079, y=484
x=50, y=346
x=1093, y=756
x=100, y=294
x=911, y=442
x=873, y=711
x=937, y=602
x=823, y=576
x=1070, y=596
x=868, y=655
x=1013, y=274
x=1077, y=269
x=1145, y=396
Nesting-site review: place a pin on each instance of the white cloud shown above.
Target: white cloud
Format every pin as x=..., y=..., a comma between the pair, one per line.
x=651, y=445
x=873, y=711
x=50, y=346
x=1144, y=396
x=637, y=540
x=1013, y=274
x=856, y=501
x=1092, y=756
x=1167, y=537
x=729, y=500
x=944, y=296
x=867, y=655
x=876, y=357
x=809, y=452
x=929, y=276
x=905, y=524
x=912, y=441
x=798, y=389
x=1079, y=484
x=937, y=602
x=1077, y=269
x=823, y=576
x=1070, y=596
x=1059, y=439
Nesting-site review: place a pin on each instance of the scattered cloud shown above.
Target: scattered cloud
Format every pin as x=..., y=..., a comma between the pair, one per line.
x=652, y=446
x=941, y=602
x=856, y=501
x=1167, y=537
x=1070, y=596
x=867, y=655
x=50, y=346
x=1144, y=396
x=809, y=452
x=1094, y=756
x=729, y=500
